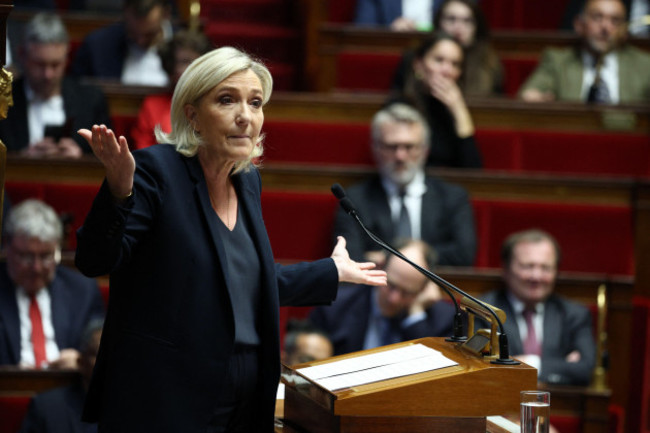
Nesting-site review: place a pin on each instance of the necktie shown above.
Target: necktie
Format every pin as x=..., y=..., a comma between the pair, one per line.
x=598, y=92
x=403, y=229
x=38, y=336
x=531, y=345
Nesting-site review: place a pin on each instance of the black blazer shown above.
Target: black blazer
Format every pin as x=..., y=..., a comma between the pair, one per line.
x=567, y=327
x=84, y=106
x=447, y=220
x=346, y=320
x=75, y=301
x=169, y=331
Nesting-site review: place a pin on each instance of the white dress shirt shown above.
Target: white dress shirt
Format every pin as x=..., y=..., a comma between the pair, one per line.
x=414, y=192
x=41, y=113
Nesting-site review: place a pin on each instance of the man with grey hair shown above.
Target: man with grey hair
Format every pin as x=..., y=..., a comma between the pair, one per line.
x=48, y=106
x=44, y=307
x=402, y=201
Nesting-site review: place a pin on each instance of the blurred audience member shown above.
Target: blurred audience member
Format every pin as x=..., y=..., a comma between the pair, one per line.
x=59, y=410
x=482, y=70
x=304, y=342
x=602, y=69
x=638, y=16
x=401, y=201
x=408, y=307
x=176, y=55
x=398, y=15
x=49, y=107
x=127, y=50
x=548, y=332
x=431, y=84
x=44, y=307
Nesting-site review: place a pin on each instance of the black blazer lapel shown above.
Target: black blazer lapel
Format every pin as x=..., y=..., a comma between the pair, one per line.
x=211, y=218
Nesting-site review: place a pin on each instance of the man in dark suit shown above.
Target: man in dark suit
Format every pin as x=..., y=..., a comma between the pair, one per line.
x=127, y=50
x=44, y=307
x=406, y=308
x=59, y=410
x=401, y=201
x=48, y=106
x=545, y=330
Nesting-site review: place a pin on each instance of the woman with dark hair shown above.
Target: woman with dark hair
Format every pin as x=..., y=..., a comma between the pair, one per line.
x=432, y=86
x=465, y=22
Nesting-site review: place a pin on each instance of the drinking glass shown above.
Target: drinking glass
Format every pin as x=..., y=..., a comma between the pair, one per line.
x=535, y=411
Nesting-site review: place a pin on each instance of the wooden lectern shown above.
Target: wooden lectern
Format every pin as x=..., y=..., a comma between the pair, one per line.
x=450, y=399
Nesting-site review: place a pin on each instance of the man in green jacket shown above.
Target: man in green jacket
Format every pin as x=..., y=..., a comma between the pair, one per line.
x=602, y=69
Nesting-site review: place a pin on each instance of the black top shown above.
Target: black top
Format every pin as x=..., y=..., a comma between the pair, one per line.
x=244, y=270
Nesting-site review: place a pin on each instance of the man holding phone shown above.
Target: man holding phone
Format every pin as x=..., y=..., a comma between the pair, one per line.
x=48, y=106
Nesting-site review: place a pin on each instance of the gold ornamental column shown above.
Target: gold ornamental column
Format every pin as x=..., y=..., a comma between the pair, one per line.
x=6, y=99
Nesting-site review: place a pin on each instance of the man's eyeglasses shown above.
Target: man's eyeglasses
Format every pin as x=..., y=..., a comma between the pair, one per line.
x=393, y=148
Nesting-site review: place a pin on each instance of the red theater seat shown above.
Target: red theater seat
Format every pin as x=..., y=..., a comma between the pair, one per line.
x=587, y=153
x=365, y=71
x=317, y=143
x=516, y=70
x=639, y=393
x=19, y=191
x=12, y=411
x=524, y=14
x=71, y=201
x=500, y=149
x=299, y=224
x=594, y=238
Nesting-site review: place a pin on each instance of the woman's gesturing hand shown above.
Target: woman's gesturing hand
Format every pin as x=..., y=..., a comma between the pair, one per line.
x=354, y=272
x=114, y=154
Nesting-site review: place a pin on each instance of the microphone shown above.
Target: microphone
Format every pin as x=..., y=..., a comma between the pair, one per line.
x=458, y=333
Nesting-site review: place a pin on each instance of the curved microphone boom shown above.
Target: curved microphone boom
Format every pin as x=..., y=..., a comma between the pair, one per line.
x=504, y=353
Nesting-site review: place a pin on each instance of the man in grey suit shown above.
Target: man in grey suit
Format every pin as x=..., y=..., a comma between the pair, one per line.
x=602, y=69
x=401, y=201
x=545, y=330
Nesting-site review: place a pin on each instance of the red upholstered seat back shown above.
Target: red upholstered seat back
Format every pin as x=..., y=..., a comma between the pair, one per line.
x=317, y=142
x=12, y=411
x=299, y=224
x=366, y=71
x=71, y=201
x=594, y=238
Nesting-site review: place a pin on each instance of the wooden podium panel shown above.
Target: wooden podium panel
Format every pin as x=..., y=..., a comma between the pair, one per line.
x=450, y=399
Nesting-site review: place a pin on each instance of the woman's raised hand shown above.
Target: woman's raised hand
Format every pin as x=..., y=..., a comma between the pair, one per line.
x=114, y=154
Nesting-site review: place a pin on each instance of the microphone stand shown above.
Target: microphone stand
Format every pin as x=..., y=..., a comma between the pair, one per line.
x=504, y=352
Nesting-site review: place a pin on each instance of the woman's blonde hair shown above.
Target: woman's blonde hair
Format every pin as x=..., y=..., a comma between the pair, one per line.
x=201, y=76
